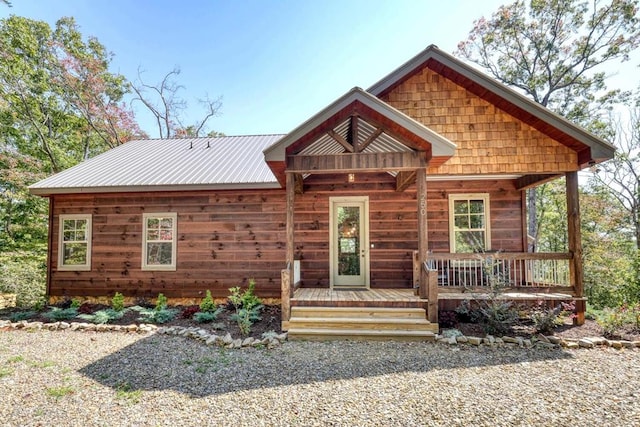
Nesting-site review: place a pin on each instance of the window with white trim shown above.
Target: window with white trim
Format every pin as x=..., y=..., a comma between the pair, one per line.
x=469, y=223
x=74, y=248
x=159, y=241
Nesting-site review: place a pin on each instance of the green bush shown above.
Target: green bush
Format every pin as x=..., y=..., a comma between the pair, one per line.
x=58, y=314
x=103, y=316
x=117, y=302
x=247, y=306
x=24, y=274
x=22, y=315
x=207, y=305
x=159, y=314
x=207, y=316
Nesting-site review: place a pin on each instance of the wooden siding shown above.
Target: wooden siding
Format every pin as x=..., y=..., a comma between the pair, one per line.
x=228, y=237
x=489, y=140
x=393, y=223
x=224, y=238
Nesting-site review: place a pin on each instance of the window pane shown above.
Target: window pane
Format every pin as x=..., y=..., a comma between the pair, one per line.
x=166, y=223
x=476, y=206
x=68, y=236
x=462, y=222
x=469, y=241
x=153, y=222
x=166, y=235
x=477, y=221
x=153, y=235
x=159, y=254
x=80, y=236
x=81, y=225
x=68, y=224
x=75, y=254
x=460, y=207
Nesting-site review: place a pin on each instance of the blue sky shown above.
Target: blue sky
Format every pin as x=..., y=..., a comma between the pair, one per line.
x=275, y=63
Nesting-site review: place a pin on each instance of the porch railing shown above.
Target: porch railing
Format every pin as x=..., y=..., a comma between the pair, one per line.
x=508, y=270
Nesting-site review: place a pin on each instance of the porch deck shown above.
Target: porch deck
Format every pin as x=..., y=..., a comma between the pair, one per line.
x=325, y=297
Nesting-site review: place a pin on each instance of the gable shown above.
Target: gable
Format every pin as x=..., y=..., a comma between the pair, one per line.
x=489, y=140
x=589, y=148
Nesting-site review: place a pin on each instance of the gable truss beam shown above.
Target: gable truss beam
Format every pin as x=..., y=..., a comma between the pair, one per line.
x=357, y=162
x=529, y=181
x=404, y=179
x=370, y=139
x=340, y=140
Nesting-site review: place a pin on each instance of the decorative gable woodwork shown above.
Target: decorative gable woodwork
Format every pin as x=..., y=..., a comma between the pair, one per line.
x=489, y=140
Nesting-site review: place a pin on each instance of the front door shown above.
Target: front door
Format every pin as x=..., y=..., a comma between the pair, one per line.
x=349, y=242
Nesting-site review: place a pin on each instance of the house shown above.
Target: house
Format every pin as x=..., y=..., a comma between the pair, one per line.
x=418, y=182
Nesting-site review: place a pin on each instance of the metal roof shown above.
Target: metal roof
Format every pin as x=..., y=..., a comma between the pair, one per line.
x=169, y=164
x=600, y=149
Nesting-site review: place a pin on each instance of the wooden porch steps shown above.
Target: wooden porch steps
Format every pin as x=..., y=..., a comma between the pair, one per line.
x=360, y=323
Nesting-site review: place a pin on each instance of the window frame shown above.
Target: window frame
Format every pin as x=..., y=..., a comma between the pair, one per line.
x=487, y=217
x=61, y=243
x=174, y=241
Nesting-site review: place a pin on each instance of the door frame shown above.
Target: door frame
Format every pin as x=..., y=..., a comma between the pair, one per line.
x=334, y=202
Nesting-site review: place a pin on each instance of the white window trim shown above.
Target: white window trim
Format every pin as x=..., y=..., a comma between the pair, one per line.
x=77, y=267
x=487, y=209
x=174, y=241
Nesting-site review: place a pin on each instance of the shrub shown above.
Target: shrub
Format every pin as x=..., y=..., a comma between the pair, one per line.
x=161, y=302
x=207, y=304
x=497, y=317
x=247, y=306
x=447, y=319
x=75, y=303
x=189, y=311
x=611, y=320
x=159, y=314
x=103, y=316
x=546, y=319
x=58, y=314
x=117, y=302
x=207, y=316
x=24, y=274
x=22, y=315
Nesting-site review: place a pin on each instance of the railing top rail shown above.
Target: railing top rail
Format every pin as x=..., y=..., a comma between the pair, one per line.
x=499, y=255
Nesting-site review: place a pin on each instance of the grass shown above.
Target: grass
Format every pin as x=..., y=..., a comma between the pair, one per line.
x=59, y=392
x=16, y=359
x=5, y=372
x=125, y=392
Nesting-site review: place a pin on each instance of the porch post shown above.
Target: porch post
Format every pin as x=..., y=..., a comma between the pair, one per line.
x=287, y=285
x=426, y=291
x=576, y=271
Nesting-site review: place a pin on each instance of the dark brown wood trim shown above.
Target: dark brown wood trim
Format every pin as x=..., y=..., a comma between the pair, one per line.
x=354, y=133
x=370, y=139
x=356, y=162
x=299, y=183
x=290, y=227
x=340, y=140
x=50, y=247
x=404, y=179
x=529, y=181
x=523, y=220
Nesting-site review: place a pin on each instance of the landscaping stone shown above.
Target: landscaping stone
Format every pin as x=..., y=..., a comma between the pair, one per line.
x=512, y=340
x=462, y=339
x=585, y=343
x=572, y=345
x=247, y=342
x=475, y=340
x=554, y=340
x=64, y=325
x=615, y=344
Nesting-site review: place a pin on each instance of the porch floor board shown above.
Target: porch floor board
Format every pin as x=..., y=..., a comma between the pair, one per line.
x=402, y=298
x=511, y=296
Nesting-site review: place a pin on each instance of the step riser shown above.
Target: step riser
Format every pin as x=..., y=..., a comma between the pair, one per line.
x=330, y=312
x=359, y=335
x=302, y=337
x=357, y=324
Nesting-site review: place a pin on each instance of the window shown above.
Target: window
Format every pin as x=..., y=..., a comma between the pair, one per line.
x=469, y=229
x=74, y=249
x=159, y=242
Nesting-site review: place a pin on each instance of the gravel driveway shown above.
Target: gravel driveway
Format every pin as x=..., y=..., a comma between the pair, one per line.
x=70, y=378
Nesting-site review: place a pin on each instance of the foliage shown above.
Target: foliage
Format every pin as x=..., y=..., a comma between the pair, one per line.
x=24, y=274
x=246, y=317
x=207, y=304
x=611, y=320
x=117, y=302
x=247, y=307
x=189, y=311
x=497, y=316
x=159, y=314
x=545, y=319
x=59, y=392
x=207, y=316
x=75, y=303
x=103, y=316
x=22, y=315
x=58, y=314
x=447, y=319
x=125, y=392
